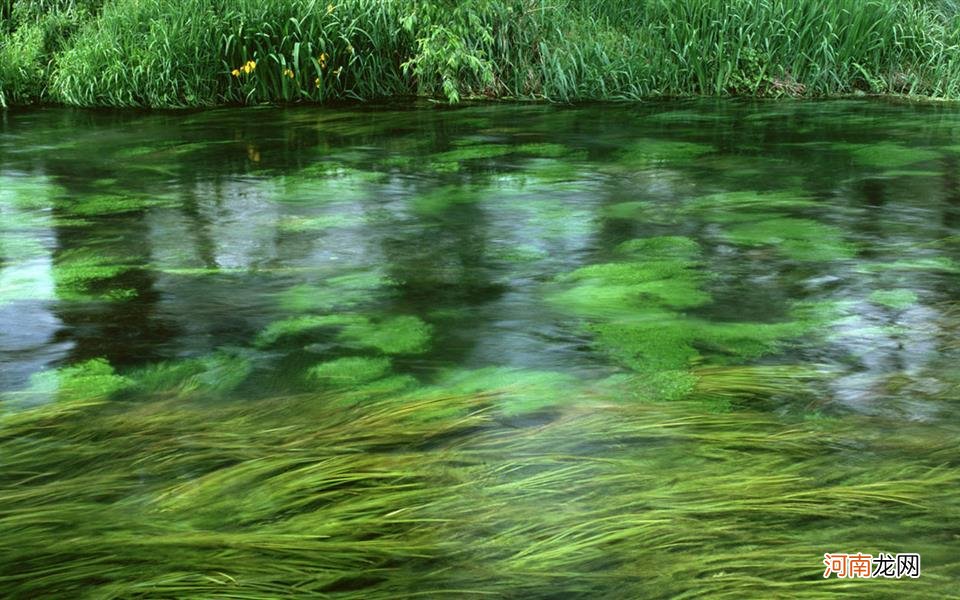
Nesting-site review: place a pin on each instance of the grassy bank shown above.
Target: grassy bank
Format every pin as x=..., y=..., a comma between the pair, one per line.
x=179, y=53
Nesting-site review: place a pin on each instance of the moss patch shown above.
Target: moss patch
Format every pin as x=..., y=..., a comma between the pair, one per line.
x=404, y=334
x=895, y=299
x=653, y=152
x=889, y=155
x=797, y=239
x=350, y=371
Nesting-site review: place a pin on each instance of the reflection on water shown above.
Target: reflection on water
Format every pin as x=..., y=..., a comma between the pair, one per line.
x=660, y=350
x=504, y=230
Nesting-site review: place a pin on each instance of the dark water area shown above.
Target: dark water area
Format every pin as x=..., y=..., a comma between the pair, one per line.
x=592, y=335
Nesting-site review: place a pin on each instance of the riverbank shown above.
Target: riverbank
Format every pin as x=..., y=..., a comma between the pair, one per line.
x=195, y=53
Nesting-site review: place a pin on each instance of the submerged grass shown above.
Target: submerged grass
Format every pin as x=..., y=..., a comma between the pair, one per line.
x=174, y=53
x=347, y=497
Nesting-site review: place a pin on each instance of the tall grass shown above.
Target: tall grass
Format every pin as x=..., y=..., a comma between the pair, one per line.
x=182, y=52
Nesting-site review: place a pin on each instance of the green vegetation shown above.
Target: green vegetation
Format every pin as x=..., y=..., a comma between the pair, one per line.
x=637, y=310
x=178, y=53
x=317, y=496
x=644, y=351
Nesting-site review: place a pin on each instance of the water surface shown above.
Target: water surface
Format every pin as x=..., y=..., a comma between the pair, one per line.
x=797, y=262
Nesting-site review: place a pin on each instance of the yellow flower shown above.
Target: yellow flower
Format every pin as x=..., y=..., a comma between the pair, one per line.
x=235, y=72
x=316, y=82
x=288, y=73
x=322, y=59
x=350, y=48
x=330, y=8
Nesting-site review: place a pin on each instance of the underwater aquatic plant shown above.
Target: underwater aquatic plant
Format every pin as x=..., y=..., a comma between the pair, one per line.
x=312, y=496
x=636, y=310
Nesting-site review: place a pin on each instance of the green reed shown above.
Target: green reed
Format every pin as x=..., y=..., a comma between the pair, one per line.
x=177, y=53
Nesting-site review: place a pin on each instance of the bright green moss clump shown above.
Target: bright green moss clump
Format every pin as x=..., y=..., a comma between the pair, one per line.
x=336, y=293
x=896, y=299
x=298, y=327
x=78, y=272
x=514, y=391
x=350, y=371
x=404, y=334
x=657, y=152
x=663, y=273
x=797, y=239
x=90, y=380
x=638, y=310
x=669, y=341
x=890, y=155
x=218, y=373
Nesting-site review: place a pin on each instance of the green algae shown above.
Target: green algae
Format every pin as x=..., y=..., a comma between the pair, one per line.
x=318, y=184
x=663, y=341
x=921, y=263
x=667, y=385
x=598, y=298
x=300, y=328
x=472, y=151
x=909, y=173
x=898, y=299
x=640, y=210
x=515, y=391
x=545, y=150
x=654, y=152
x=670, y=247
x=27, y=192
x=633, y=310
x=165, y=150
x=723, y=207
x=797, y=239
x=106, y=205
x=339, y=292
x=888, y=155
x=437, y=201
x=86, y=381
x=664, y=274
x=821, y=313
x=320, y=223
x=520, y=254
x=404, y=334
x=206, y=271
x=733, y=207
x=215, y=374
x=349, y=371
x=392, y=386
x=78, y=271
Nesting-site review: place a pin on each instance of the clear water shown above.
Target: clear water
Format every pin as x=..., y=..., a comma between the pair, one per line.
x=796, y=260
x=143, y=238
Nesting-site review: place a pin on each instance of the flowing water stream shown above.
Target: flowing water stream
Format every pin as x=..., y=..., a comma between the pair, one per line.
x=703, y=343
